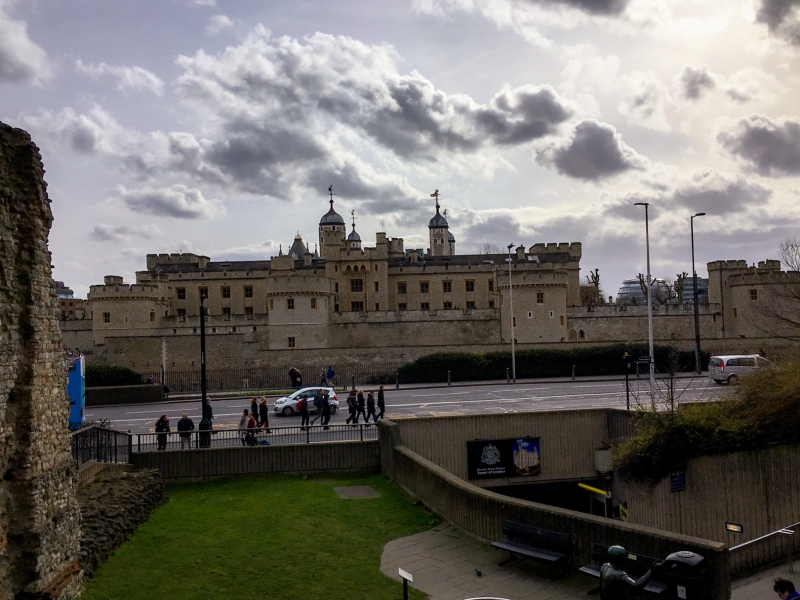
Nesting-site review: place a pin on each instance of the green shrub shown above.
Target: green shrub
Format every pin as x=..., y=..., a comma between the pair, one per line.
x=107, y=375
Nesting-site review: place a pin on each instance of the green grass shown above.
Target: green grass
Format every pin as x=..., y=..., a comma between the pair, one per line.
x=263, y=537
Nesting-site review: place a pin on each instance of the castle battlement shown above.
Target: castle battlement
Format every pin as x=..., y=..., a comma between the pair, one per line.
x=183, y=258
x=726, y=264
x=574, y=249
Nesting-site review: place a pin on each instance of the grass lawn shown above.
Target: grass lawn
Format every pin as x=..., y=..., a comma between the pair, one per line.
x=263, y=537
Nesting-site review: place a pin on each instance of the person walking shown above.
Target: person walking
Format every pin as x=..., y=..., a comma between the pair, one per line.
x=371, y=406
x=381, y=403
x=243, y=426
x=318, y=405
x=254, y=408
x=304, y=412
x=351, y=408
x=162, y=429
x=785, y=589
x=263, y=414
x=294, y=377
x=360, y=405
x=185, y=428
x=326, y=409
x=206, y=425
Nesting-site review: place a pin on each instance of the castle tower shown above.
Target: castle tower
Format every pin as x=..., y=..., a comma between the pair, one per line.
x=354, y=240
x=440, y=244
x=332, y=229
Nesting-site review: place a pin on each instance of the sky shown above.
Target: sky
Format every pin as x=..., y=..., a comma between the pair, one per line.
x=217, y=126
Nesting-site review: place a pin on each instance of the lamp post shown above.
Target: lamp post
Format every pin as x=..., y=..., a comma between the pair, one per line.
x=697, y=368
x=511, y=308
x=649, y=305
x=203, y=385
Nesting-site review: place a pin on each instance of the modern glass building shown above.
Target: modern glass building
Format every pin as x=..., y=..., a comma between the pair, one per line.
x=631, y=292
x=702, y=291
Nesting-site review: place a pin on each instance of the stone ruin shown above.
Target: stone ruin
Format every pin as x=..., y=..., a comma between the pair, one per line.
x=40, y=518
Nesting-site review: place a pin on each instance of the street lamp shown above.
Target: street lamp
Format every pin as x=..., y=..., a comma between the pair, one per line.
x=649, y=305
x=511, y=307
x=203, y=384
x=696, y=309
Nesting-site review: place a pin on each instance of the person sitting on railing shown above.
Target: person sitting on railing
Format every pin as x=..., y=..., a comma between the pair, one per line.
x=185, y=428
x=162, y=429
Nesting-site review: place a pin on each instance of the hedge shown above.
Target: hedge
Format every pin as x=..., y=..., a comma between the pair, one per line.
x=604, y=360
x=106, y=375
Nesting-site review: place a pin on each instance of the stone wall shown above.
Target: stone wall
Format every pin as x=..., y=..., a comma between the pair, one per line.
x=113, y=506
x=39, y=512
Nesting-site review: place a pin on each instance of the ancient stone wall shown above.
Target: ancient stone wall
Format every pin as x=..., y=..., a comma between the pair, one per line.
x=39, y=513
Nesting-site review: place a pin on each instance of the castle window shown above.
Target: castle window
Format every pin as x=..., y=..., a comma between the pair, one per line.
x=271, y=304
x=226, y=312
x=377, y=286
x=226, y=291
x=552, y=314
x=448, y=304
x=470, y=285
x=470, y=304
x=491, y=303
x=313, y=304
x=106, y=317
x=181, y=312
x=447, y=287
x=290, y=304
x=152, y=316
x=401, y=306
x=562, y=320
x=377, y=306
x=753, y=294
x=357, y=306
x=423, y=287
x=401, y=287
x=530, y=315
x=424, y=306
x=248, y=311
x=539, y=297
x=291, y=342
x=356, y=285
x=336, y=288
x=735, y=313
x=248, y=291
x=181, y=293
x=376, y=267
x=491, y=285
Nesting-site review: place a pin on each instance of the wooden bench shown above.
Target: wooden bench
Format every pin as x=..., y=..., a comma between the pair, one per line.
x=634, y=565
x=534, y=542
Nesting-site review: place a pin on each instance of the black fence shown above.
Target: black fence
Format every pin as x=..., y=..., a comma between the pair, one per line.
x=275, y=377
x=149, y=442
x=101, y=445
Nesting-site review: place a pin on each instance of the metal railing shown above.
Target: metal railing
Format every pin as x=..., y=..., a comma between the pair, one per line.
x=100, y=444
x=173, y=440
x=788, y=530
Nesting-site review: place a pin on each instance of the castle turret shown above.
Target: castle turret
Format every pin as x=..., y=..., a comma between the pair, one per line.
x=332, y=230
x=439, y=233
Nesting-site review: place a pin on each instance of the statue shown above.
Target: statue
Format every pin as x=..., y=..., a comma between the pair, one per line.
x=614, y=582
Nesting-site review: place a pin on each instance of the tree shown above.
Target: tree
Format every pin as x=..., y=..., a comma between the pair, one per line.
x=591, y=293
x=489, y=248
x=777, y=311
x=680, y=285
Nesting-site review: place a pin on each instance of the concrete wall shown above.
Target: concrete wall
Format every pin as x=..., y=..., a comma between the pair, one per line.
x=755, y=489
x=569, y=439
x=198, y=465
x=123, y=394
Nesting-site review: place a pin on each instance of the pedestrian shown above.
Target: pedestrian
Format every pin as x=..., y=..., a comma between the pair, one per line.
x=351, y=408
x=162, y=429
x=381, y=403
x=326, y=409
x=254, y=408
x=206, y=425
x=243, y=426
x=318, y=405
x=371, y=406
x=293, y=376
x=250, y=436
x=323, y=382
x=360, y=405
x=304, y=411
x=785, y=589
x=185, y=428
x=330, y=374
x=149, y=380
x=614, y=582
x=263, y=413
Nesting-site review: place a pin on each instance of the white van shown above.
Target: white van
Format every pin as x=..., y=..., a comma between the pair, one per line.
x=729, y=369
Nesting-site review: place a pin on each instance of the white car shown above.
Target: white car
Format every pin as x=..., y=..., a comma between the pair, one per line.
x=729, y=369
x=289, y=405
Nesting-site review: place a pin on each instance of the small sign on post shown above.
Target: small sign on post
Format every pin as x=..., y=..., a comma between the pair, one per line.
x=677, y=480
x=406, y=577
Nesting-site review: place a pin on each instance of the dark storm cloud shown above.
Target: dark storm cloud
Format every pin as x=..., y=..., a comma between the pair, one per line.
x=782, y=17
x=112, y=233
x=594, y=7
x=696, y=81
x=177, y=201
x=595, y=152
x=769, y=147
x=716, y=194
x=496, y=229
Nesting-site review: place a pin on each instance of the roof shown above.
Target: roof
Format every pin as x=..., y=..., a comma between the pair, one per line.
x=298, y=248
x=450, y=237
x=331, y=217
x=354, y=237
x=437, y=220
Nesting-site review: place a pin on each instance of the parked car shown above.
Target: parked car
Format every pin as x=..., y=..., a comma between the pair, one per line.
x=729, y=369
x=289, y=405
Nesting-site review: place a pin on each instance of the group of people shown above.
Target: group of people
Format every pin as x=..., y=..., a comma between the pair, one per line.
x=185, y=428
x=357, y=405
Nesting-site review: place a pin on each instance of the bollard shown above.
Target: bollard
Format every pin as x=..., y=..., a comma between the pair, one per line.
x=637, y=370
x=573, y=372
x=353, y=381
x=448, y=378
x=397, y=381
x=508, y=376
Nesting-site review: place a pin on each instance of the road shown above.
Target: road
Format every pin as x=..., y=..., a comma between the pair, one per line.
x=427, y=402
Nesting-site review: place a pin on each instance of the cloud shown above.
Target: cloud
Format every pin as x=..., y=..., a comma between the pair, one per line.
x=644, y=101
x=695, y=81
x=21, y=60
x=202, y=3
x=751, y=85
x=177, y=201
x=769, y=147
x=120, y=234
x=782, y=18
x=716, y=193
x=128, y=78
x=596, y=151
x=217, y=23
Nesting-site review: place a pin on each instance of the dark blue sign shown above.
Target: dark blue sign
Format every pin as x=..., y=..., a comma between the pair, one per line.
x=677, y=480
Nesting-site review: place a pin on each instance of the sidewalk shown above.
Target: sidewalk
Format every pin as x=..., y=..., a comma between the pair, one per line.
x=759, y=586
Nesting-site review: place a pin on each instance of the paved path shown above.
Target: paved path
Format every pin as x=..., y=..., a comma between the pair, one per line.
x=759, y=586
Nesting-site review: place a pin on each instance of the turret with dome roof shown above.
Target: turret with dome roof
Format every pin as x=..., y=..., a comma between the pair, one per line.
x=442, y=241
x=331, y=221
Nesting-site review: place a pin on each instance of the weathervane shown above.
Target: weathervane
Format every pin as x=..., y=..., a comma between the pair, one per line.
x=353, y=215
x=331, y=192
x=436, y=195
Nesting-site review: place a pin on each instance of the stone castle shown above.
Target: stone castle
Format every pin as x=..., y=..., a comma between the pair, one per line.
x=350, y=302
